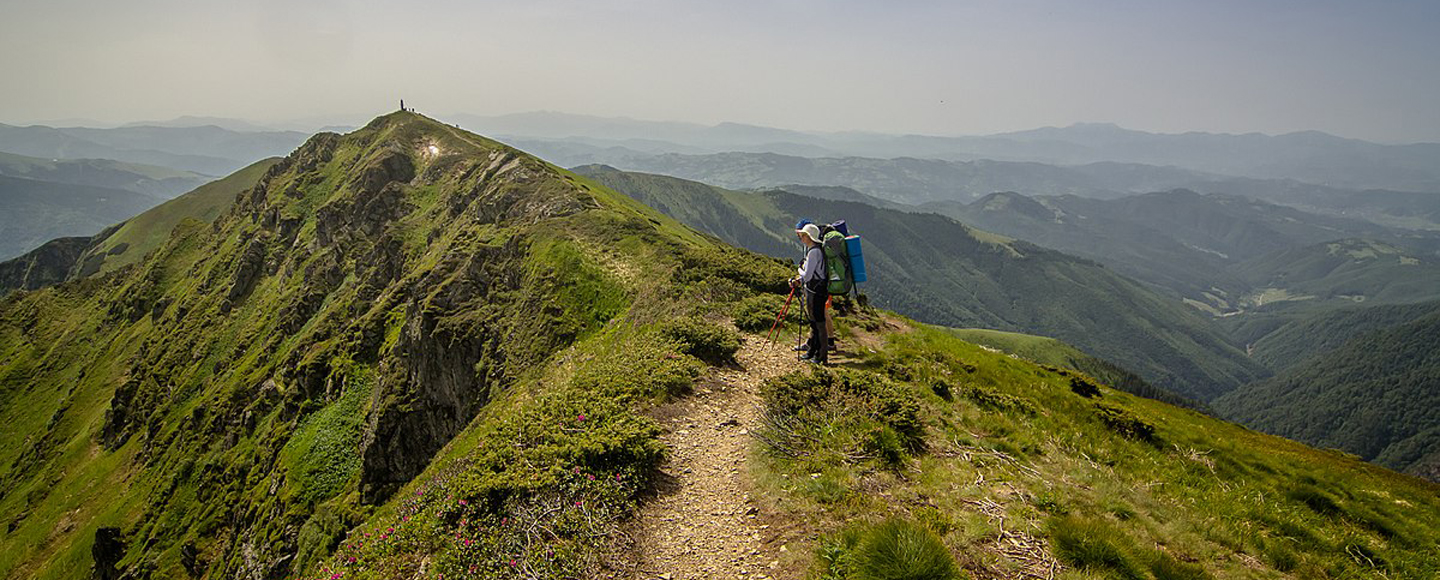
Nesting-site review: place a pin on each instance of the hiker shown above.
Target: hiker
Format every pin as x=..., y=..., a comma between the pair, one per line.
x=812, y=279
x=829, y=314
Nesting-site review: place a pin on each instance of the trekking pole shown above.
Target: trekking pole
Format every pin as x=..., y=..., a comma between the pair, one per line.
x=804, y=318
x=778, y=317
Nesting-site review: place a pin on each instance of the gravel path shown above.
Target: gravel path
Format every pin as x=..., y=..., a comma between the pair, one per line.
x=704, y=524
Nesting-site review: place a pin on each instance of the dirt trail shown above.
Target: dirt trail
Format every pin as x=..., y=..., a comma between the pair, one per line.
x=704, y=525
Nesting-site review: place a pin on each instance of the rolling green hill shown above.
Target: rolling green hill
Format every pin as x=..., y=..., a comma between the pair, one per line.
x=1304, y=339
x=410, y=351
x=126, y=242
x=1357, y=270
x=1373, y=395
x=939, y=271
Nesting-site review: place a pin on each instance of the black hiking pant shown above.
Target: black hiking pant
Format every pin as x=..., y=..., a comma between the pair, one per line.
x=819, y=344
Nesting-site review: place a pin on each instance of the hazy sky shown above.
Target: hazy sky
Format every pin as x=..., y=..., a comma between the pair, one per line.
x=1367, y=69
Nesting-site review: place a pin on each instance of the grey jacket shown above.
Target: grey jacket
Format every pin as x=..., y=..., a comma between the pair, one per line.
x=812, y=272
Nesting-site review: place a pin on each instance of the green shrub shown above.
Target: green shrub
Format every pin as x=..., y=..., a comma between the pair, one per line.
x=702, y=339
x=827, y=393
x=1083, y=387
x=643, y=368
x=758, y=313
x=884, y=444
x=835, y=554
x=721, y=262
x=900, y=549
x=1094, y=545
x=996, y=401
x=1125, y=423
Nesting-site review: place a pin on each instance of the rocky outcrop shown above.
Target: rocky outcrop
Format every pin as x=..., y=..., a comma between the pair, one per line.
x=445, y=365
x=46, y=265
x=496, y=197
x=248, y=270
x=108, y=549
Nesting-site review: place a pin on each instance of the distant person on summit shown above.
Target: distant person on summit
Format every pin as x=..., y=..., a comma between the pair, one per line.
x=812, y=278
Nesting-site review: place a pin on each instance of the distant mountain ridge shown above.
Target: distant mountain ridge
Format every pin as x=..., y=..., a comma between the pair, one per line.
x=914, y=181
x=207, y=150
x=161, y=182
x=1308, y=156
x=1213, y=250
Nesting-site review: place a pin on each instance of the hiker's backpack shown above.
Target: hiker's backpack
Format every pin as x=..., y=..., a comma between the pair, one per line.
x=837, y=262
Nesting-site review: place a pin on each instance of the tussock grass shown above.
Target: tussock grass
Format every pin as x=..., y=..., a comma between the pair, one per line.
x=893, y=549
x=1095, y=545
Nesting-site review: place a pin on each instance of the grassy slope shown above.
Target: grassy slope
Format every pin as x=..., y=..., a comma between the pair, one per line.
x=1050, y=352
x=1012, y=467
x=144, y=233
x=941, y=272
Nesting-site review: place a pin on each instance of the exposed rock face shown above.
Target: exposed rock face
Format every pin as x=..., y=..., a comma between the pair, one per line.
x=107, y=551
x=247, y=273
x=46, y=265
x=434, y=389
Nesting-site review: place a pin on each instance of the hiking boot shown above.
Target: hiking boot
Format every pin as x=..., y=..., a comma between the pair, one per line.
x=833, y=348
x=800, y=348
